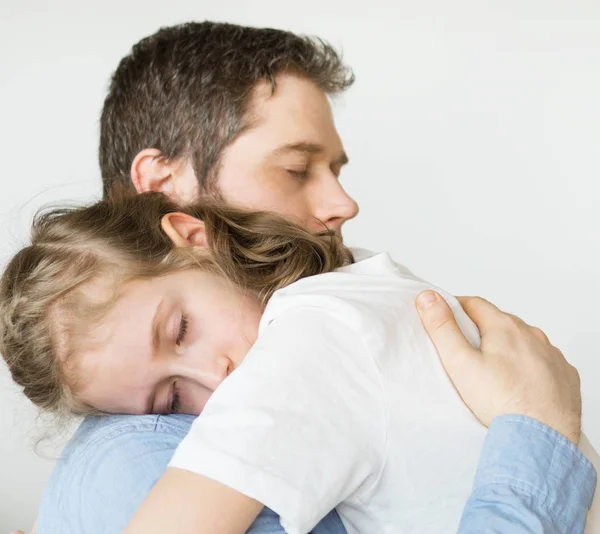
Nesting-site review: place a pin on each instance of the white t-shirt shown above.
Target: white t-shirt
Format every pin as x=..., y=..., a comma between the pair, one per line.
x=343, y=403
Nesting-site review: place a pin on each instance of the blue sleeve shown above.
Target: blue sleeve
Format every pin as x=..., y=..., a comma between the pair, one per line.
x=110, y=466
x=530, y=479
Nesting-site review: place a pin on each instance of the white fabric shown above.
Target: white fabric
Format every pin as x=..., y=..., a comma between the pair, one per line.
x=343, y=402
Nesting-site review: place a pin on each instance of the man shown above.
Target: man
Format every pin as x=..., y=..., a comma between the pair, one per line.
x=242, y=114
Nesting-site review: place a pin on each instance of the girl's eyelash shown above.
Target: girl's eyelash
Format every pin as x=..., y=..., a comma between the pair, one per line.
x=183, y=326
x=174, y=408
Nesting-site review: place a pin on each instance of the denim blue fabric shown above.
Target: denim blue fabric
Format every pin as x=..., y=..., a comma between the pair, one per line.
x=530, y=479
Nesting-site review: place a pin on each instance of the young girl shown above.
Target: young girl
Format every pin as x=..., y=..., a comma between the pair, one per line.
x=317, y=385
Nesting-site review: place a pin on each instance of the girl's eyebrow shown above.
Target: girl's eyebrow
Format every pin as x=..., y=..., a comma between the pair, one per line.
x=156, y=326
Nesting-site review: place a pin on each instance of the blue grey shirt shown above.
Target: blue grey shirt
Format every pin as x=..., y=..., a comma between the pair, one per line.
x=530, y=479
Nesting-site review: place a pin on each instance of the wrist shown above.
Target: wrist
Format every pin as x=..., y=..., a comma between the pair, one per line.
x=568, y=426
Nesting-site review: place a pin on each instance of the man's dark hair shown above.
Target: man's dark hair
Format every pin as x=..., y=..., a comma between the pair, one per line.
x=185, y=91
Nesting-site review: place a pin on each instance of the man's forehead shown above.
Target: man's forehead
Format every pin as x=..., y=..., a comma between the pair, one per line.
x=295, y=118
x=289, y=93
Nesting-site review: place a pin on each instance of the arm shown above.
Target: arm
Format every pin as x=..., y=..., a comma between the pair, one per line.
x=226, y=510
x=530, y=478
x=186, y=502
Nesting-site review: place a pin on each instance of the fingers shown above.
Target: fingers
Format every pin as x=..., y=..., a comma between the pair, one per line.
x=482, y=312
x=439, y=321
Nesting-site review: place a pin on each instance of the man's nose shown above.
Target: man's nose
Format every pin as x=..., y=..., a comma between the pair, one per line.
x=335, y=206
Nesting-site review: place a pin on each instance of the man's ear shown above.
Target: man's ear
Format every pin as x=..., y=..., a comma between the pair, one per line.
x=151, y=172
x=184, y=230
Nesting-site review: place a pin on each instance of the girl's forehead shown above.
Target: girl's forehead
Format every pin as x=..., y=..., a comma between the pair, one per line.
x=105, y=313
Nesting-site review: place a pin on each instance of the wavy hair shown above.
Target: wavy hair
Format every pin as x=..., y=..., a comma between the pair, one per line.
x=46, y=308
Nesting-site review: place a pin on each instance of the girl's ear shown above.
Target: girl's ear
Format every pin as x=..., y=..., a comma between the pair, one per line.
x=184, y=230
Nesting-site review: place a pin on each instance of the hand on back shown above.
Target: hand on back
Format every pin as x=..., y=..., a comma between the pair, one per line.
x=515, y=371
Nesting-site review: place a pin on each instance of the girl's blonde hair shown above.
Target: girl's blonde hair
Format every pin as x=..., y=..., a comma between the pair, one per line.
x=45, y=306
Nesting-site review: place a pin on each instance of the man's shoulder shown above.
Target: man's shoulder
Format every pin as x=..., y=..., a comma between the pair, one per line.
x=95, y=433
x=105, y=438
x=101, y=428
x=106, y=469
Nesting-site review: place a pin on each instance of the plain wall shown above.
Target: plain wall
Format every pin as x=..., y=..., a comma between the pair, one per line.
x=473, y=131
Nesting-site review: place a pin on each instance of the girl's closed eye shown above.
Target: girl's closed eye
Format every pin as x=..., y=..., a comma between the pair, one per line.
x=175, y=399
x=183, y=327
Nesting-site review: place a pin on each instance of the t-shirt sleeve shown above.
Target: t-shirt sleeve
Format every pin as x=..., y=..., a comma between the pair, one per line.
x=300, y=425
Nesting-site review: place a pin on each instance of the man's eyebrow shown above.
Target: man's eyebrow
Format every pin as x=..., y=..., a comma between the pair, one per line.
x=308, y=148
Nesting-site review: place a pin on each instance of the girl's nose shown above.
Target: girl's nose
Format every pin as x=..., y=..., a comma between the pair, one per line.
x=209, y=373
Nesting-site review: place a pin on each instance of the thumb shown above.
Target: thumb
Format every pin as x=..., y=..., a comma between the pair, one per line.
x=441, y=326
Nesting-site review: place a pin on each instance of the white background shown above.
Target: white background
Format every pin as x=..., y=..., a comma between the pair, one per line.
x=473, y=131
